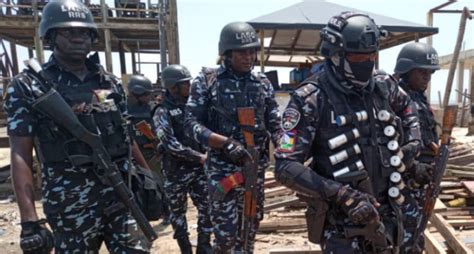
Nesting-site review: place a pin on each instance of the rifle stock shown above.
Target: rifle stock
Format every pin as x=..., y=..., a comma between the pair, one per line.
x=432, y=192
x=247, y=121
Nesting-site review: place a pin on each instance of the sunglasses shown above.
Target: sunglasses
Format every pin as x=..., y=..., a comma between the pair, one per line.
x=361, y=57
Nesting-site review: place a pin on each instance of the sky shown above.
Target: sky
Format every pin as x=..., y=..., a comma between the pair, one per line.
x=200, y=23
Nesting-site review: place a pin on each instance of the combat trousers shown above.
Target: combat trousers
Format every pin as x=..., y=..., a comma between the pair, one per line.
x=180, y=180
x=77, y=207
x=226, y=214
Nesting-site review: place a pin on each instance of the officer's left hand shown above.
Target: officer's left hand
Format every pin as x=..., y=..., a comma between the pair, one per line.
x=36, y=238
x=410, y=152
x=423, y=173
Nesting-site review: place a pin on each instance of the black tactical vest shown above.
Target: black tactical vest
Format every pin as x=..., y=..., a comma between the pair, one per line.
x=427, y=124
x=366, y=147
x=138, y=113
x=101, y=116
x=176, y=116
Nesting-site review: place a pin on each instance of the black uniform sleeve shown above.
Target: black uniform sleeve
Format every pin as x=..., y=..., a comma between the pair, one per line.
x=299, y=123
x=165, y=133
x=405, y=108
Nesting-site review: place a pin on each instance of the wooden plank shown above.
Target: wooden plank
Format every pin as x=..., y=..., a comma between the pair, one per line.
x=469, y=185
x=432, y=246
x=460, y=223
x=287, y=202
x=278, y=191
x=452, y=191
x=271, y=226
x=461, y=160
x=439, y=206
x=461, y=173
x=448, y=232
x=317, y=250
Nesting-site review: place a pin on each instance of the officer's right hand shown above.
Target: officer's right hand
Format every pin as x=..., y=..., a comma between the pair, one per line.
x=359, y=207
x=35, y=237
x=235, y=151
x=423, y=173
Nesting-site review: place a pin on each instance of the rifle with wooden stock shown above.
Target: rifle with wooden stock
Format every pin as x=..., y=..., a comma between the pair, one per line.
x=250, y=168
x=442, y=154
x=144, y=128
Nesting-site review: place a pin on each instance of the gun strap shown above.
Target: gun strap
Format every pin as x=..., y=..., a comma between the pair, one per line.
x=229, y=182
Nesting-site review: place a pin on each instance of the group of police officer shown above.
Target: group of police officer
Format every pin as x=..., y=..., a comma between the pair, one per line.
x=368, y=136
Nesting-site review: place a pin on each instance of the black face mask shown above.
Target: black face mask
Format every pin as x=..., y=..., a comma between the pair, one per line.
x=362, y=71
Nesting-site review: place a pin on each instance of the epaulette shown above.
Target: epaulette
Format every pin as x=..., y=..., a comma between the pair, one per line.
x=210, y=74
x=306, y=89
x=383, y=81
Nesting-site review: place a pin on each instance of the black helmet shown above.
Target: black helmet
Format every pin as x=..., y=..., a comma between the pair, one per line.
x=237, y=35
x=65, y=13
x=138, y=85
x=349, y=32
x=416, y=55
x=174, y=74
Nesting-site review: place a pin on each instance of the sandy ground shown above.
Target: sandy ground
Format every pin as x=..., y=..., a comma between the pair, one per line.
x=10, y=229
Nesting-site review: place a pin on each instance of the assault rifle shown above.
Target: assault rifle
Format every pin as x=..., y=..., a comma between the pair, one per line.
x=50, y=103
x=249, y=170
x=442, y=154
x=145, y=129
x=374, y=230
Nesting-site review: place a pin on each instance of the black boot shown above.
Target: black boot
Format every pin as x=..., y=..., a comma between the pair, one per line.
x=185, y=245
x=204, y=244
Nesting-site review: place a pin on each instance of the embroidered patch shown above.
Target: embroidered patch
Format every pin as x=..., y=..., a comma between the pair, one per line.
x=287, y=142
x=290, y=119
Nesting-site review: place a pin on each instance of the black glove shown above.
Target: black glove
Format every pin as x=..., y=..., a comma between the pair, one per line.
x=235, y=151
x=410, y=153
x=422, y=173
x=36, y=238
x=359, y=206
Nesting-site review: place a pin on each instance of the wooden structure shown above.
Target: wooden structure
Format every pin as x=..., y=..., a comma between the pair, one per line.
x=121, y=29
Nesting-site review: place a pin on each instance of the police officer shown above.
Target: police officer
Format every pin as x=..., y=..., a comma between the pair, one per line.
x=81, y=210
x=416, y=62
x=183, y=161
x=348, y=122
x=211, y=118
x=140, y=107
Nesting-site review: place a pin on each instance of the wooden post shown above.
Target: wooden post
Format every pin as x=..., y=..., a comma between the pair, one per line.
x=463, y=110
x=123, y=66
x=440, y=100
x=471, y=121
x=107, y=38
x=429, y=41
x=38, y=42
x=172, y=36
x=14, y=58
x=134, y=63
x=460, y=81
x=262, y=52
x=462, y=27
x=163, y=39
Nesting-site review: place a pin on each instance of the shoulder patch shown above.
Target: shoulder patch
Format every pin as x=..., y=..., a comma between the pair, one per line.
x=287, y=142
x=290, y=119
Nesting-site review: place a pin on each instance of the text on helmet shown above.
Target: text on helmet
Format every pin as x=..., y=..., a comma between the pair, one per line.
x=245, y=37
x=75, y=11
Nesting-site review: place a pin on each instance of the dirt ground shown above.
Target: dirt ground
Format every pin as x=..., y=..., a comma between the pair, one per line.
x=10, y=229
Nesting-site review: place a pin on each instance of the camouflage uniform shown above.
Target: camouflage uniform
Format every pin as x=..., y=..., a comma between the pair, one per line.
x=140, y=113
x=313, y=117
x=214, y=98
x=182, y=169
x=78, y=206
x=429, y=135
